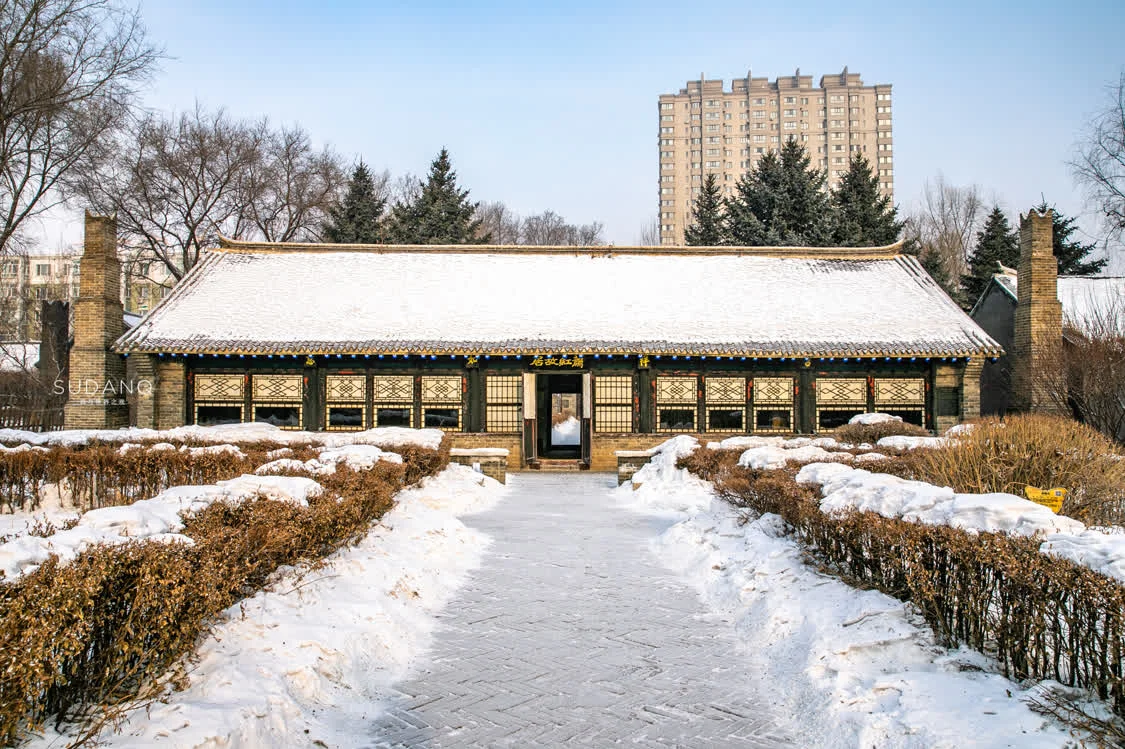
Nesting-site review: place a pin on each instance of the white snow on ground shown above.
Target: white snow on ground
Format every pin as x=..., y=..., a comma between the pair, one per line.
x=307, y=662
x=233, y=433
x=566, y=433
x=159, y=519
x=903, y=442
x=772, y=456
x=856, y=668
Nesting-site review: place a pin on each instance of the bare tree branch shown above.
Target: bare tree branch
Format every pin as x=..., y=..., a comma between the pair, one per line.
x=1100, y=164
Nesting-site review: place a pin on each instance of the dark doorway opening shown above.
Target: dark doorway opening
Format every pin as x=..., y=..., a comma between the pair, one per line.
x=558, y=400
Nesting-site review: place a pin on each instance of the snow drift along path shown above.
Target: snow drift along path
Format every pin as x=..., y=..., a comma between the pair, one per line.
x=854, y=668
x=309, y=659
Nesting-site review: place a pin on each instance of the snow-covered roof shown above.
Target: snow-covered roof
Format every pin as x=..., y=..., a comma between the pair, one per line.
x=1086, y=300
x=18, y=357
x=358, y=299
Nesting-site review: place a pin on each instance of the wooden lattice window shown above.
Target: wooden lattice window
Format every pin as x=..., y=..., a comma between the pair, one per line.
x=904, y=397
x=277, y=399
x=393, y=400
x=503, y=403
x=676, y=399
x=773, y=404
x=726, y=403
x=613, y=404
x=345, y=403
x=838, y=399
x=218, y=398
x=441, y=402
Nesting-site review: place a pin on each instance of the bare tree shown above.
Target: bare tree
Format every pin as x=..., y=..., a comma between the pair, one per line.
x=499, y=221
x=1100, y=164
x=69, y=74
x=650, y=233
x=942, y=228
x=177, y=183
x=287, y=190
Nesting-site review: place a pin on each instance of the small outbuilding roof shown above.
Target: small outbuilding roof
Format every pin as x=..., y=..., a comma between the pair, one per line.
x=1087, y=301
x=252, y=298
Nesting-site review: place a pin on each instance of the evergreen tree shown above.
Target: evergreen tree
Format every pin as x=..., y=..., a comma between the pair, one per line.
x=1071, y=253
x=357, y=219
x=863, y=217
x=781, y=202
x=996, y=243
x=441, y=213
x=708, y=222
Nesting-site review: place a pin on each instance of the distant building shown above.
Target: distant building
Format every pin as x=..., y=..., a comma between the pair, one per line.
x=708, y=129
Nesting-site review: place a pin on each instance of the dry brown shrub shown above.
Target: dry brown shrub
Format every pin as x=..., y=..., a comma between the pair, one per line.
x=80, y=638
x=858, y=434
x=1041, y=617
x=709, y=464
x=1036, y=450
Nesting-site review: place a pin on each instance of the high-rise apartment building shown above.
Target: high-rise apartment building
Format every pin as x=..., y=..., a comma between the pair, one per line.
x=706, y=128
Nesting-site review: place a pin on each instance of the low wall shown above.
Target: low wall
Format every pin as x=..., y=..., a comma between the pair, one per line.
x=629, y=462
x=491, y=461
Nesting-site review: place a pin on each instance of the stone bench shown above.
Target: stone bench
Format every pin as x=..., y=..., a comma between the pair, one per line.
x=631, y=461
x=491, y=461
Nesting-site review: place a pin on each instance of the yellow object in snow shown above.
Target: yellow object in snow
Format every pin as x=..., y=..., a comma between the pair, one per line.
x=1052, y=498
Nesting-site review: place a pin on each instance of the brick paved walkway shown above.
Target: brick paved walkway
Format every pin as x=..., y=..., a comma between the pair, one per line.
x=572, y=633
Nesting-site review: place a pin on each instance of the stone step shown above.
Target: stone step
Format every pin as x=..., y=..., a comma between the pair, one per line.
x=548, y=465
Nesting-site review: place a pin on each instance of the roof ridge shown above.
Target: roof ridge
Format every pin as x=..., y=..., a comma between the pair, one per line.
x=842, y=253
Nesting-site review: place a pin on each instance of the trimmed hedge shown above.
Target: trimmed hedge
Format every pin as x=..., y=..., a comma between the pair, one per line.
x=1041, y=617
x=108, y=626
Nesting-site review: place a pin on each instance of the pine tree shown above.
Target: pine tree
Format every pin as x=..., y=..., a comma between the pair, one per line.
x=1071, y=253
x=863, y=217
x=996, y=243
x=441, y=213
x=781, y=202
x=357, y=219
x=708, y=222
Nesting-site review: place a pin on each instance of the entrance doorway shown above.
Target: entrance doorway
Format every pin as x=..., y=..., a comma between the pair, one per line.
x=559, y=414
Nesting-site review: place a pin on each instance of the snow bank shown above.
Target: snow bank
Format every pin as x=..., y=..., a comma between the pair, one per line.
x=661, y=487
x=156, y=519
x=566, y=433
x=902, y=442
x=770, y=457
x=846, y=488
x=855, y=668
x=233, y=433
x=307, y=662
x=356, y=457
x=873, y=418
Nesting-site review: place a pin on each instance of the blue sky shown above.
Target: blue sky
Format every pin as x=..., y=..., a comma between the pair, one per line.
x=553, y=105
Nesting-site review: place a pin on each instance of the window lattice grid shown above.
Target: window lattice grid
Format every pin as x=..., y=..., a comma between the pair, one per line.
x=351, y=388
x=895, y=390
x=676, y=390
x=348, y=417
x=828, y=419
x=850, y=390
x=503, y=389
x=281, y=414
x=773, y=419
x=503, y=418
x=219, y=387
x=773, y=389
x=218, y=413
x=614, y=389
x=443, y=417
x=393, y=389
x=441, y=389
x=613, y=419
x=725, y=390
x=277, y=387
x=726, y=419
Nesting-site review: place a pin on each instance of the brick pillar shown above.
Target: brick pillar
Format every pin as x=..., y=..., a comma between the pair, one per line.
x=970, y=389
x=97, y=374
x=169, y=393
x=1037, y=367
x=144, y=384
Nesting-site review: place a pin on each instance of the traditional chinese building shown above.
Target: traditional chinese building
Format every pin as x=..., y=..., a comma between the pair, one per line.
x=557, y=352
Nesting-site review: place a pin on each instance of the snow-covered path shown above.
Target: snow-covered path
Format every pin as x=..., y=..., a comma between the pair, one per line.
x=572, y=632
